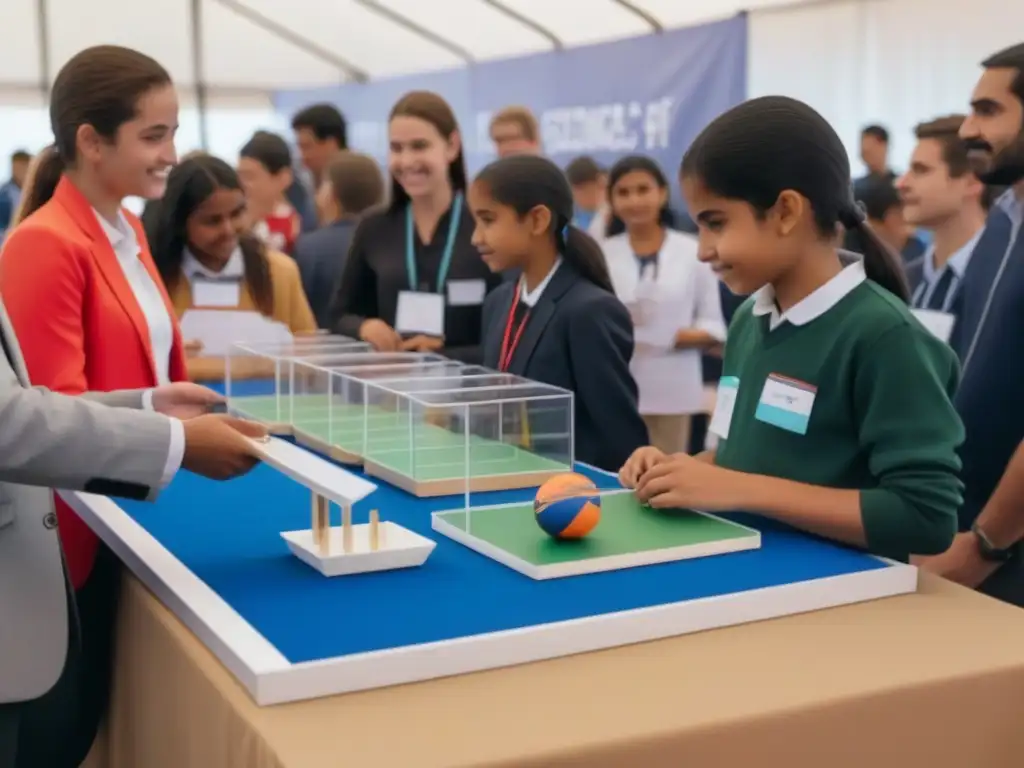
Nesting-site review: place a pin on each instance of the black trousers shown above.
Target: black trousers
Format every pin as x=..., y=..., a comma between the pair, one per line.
x=57, y=729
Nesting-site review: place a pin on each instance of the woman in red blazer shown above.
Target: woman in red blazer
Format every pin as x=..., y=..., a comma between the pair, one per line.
x=86, y=301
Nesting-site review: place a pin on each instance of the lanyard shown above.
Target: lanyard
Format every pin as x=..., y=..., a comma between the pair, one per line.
x=446, y=258
x=508, y=342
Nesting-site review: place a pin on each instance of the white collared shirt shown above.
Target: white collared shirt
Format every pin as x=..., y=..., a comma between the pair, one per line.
x=957, y=264
x=814, y=305
x=158, y=321
x=530, y=298
x=233, y=269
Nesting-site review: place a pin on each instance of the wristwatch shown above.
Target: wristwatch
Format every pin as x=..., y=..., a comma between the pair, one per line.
x=986, y=548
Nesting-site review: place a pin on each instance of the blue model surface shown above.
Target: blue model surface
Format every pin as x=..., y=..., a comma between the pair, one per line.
x=228, y=535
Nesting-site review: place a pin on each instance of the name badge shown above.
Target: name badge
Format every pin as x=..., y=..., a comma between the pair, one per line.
x=725, y=404
x=786, y=403
x=939, y=323
x=420, y=313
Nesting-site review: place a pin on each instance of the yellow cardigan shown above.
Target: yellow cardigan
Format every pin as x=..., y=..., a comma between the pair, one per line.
x=291, y=307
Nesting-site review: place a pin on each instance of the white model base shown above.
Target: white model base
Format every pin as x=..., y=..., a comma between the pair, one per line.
x=397, y=547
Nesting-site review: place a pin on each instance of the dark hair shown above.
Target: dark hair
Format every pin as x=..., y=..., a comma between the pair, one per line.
x=356, y=182
x=946, y=131
x=430, y=107
x=189, y=185
x=269, y=150
x=20, y=156
x=876, y=132
x=101, y=87
x=1010, y=58
x=583, y=170
x=877, y=197
x=324, y=121
x=643, y=164
x=767, y=145
x=523, y=182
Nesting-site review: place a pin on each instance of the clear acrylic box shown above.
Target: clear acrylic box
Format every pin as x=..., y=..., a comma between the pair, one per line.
x=258, y=378
x=328, y=398
x=462, y=435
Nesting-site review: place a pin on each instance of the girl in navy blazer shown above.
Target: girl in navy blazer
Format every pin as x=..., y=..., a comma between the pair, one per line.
x=560, y=322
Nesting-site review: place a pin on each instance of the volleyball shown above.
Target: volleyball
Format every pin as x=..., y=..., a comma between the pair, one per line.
x=568, y=506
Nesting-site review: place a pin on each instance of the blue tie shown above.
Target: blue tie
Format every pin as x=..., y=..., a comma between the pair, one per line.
x=981, y=273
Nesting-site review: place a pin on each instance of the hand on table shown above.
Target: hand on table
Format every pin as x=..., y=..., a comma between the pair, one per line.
x=218, y=446
x=641, y=460
x=961, y=563
x=193, y=348
x=422, y=343
x=185, y=400
x=380, y=335
x=682, y=481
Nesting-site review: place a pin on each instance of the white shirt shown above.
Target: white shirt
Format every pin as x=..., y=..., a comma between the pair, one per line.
x=158, y=320
x=956, y=264
x=233, y=269
x=679, y=292
x=530, y=298
x=814, y=305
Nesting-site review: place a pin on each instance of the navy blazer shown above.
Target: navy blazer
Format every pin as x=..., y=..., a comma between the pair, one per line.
x=578, y=337
x=321, y=258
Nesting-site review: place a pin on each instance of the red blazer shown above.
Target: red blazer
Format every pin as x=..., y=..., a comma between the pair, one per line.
x=77, y=321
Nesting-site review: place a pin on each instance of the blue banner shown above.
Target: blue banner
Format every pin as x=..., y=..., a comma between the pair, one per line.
x=649, y=95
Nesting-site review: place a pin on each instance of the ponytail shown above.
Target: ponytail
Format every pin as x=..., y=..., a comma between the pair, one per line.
x=41, y=181
x=582, y=252
x=881, y=264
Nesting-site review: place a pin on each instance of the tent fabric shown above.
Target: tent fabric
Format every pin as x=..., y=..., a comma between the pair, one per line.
x=264, y=45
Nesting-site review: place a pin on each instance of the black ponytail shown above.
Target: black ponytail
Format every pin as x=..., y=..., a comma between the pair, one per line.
x=881, y=264
x=582, y=251
x=765, y=146
x=524, y=182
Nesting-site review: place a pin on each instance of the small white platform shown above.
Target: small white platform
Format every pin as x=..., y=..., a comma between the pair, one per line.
x=398, y=547
x=321, y=476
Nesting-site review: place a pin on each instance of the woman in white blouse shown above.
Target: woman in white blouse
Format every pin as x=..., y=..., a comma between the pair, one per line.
x=673, y=298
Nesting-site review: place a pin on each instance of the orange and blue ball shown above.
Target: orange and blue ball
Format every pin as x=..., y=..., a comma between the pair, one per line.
x=568, y=506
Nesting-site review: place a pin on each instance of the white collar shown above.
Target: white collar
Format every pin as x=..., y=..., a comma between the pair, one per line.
x=530, y=298
x=118, y=234
x=957, y=262
x=816, y=304
x=1012, y=206
x=233, y=269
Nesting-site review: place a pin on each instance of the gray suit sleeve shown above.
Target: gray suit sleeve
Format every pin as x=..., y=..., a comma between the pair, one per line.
x=70, y=443
x=122, y=398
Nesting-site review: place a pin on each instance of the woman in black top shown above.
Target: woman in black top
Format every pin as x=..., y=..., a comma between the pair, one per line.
x=413, y=279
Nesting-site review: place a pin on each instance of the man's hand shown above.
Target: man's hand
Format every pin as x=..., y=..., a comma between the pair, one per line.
x=185, y=400
x=218, y=446
x=961, y=563
x=422, y=343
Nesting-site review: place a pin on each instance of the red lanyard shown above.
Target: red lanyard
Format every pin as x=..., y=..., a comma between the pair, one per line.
x=508, y=349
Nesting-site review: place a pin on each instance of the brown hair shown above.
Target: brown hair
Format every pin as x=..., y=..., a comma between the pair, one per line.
x=946, y=131
x=521, y=117
x=99, y=86
x=430, y=107
x=356, y=182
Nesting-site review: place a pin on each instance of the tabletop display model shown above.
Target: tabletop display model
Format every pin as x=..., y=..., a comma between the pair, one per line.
x=348, y=548
x=466, y=434
x=258, y=378
x=613, y=530
x=329, y=397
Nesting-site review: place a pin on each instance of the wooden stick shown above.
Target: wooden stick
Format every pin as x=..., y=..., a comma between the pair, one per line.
x=374, y=529
x=323, y=516
x=346, y=527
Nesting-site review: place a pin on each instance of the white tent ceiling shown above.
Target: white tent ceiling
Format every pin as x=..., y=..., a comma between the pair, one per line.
x=277, y=44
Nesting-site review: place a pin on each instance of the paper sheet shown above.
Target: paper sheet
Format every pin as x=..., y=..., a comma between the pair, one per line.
x=218, y=329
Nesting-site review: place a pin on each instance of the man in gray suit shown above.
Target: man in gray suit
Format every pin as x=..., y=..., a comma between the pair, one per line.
x=47, y=441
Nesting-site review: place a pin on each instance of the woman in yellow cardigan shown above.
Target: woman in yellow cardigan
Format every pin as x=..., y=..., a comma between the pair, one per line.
x=201, y=241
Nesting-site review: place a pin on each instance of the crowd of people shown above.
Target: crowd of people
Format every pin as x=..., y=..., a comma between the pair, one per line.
x=857, y=334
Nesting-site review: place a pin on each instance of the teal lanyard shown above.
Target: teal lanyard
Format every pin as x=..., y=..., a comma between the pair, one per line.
x=446, y=258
